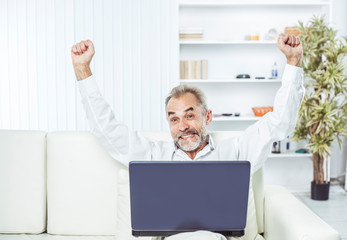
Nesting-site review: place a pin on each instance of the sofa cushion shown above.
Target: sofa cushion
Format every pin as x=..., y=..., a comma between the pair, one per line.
x=287, y=218
x=22, y=181
x=82, y=185
x=259, y=195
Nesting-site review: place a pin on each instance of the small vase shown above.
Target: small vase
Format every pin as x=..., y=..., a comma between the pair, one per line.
x=320, y=191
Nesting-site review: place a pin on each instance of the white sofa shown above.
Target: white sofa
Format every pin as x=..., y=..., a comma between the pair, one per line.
x=63, y=185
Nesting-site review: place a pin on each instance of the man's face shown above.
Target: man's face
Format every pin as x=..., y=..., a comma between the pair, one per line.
x=187, y=122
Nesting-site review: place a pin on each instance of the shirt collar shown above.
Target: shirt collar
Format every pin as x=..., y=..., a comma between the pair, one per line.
x=210, y=142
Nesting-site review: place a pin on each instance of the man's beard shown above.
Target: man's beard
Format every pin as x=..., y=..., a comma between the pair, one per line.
x=191, y=145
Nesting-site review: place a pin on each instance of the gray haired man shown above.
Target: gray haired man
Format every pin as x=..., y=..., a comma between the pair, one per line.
x=188, y=116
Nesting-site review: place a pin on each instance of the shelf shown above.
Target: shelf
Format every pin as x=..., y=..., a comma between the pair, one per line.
x=252, y=80
x=202, y=42
x=290, y=155
x=231, y=4
x=231, y=118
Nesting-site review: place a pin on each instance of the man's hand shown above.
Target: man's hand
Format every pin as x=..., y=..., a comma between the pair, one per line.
x=81, y=54
x=291, y=47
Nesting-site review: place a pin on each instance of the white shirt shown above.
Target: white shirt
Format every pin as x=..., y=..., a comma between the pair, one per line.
x=254, y=145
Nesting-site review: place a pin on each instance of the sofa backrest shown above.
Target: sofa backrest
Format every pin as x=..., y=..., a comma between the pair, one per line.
x=22, y=181
x=81, y=185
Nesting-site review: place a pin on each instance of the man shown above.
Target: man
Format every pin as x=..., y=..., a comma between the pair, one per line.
x=188, y=116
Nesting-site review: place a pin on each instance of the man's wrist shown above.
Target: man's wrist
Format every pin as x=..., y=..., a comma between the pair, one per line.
x=82, y=71
x=294, y=61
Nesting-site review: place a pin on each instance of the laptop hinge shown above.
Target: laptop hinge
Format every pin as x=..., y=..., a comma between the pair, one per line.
x=136, y=233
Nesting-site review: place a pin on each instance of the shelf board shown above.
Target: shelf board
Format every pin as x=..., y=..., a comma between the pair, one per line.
x=251, y=80
x=269, y=3
x=290, y=155
x=232, y=118
x=245, y=42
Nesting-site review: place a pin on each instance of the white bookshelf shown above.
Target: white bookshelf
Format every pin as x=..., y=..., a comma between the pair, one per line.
x=226, y=25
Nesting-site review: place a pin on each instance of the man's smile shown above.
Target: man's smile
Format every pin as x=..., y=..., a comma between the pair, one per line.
x=187, y=137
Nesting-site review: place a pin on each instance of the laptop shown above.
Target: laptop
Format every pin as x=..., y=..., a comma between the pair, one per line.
x=170, y=197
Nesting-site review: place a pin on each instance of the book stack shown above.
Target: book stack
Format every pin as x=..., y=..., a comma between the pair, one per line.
x=193, y=69
x=191, y=34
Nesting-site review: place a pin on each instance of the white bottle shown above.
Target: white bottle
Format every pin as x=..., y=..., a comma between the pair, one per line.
x=274, y=71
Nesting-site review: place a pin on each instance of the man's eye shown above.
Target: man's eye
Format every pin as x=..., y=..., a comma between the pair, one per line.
x=173, y=119
x=190, y=115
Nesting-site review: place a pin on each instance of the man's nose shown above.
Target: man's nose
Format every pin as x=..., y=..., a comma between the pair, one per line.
x=183, y=125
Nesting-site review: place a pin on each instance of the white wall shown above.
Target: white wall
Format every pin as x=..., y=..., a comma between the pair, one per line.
x=135, y=62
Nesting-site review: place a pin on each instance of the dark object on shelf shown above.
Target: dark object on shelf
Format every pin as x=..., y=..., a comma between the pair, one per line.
x=320, y=191
x=237, y=114
x=227, y=114
x=302, y=150
x=259, y=77
x=243, y=76
x=276, y=147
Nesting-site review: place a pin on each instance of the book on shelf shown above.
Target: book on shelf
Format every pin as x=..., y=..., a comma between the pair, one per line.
x=197, y=67
x=193, y=69
x=204, y=69
x=191, y=33
x=184, y=36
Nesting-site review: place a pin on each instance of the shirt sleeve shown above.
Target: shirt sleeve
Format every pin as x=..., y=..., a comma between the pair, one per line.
x=121, y=143
x=255, y=144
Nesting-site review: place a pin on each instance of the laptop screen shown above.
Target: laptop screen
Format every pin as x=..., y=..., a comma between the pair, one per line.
x=169, y=197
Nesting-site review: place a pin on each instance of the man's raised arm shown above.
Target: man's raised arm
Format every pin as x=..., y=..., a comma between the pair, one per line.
x=256, y=143
x=121, y=143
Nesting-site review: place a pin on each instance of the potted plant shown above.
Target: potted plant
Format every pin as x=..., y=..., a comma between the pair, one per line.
x=323, y=113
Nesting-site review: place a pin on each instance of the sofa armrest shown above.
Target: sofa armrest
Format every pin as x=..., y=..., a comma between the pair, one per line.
x=287, y=218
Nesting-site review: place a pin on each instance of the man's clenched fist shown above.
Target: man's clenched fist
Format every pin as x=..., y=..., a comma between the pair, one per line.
x=291, y=47
x=81, y=54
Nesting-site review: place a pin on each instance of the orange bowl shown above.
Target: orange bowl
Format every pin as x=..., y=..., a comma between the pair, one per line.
x=261, y=111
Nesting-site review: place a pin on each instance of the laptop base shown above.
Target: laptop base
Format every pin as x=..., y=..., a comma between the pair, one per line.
x=236, y=233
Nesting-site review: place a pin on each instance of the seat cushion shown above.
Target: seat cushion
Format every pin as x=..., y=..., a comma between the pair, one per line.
x=22, y=181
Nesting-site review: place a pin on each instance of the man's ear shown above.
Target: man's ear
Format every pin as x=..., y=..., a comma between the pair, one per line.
x=208, y=117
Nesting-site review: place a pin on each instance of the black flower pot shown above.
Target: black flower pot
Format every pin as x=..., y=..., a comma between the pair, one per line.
x=320, y=191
